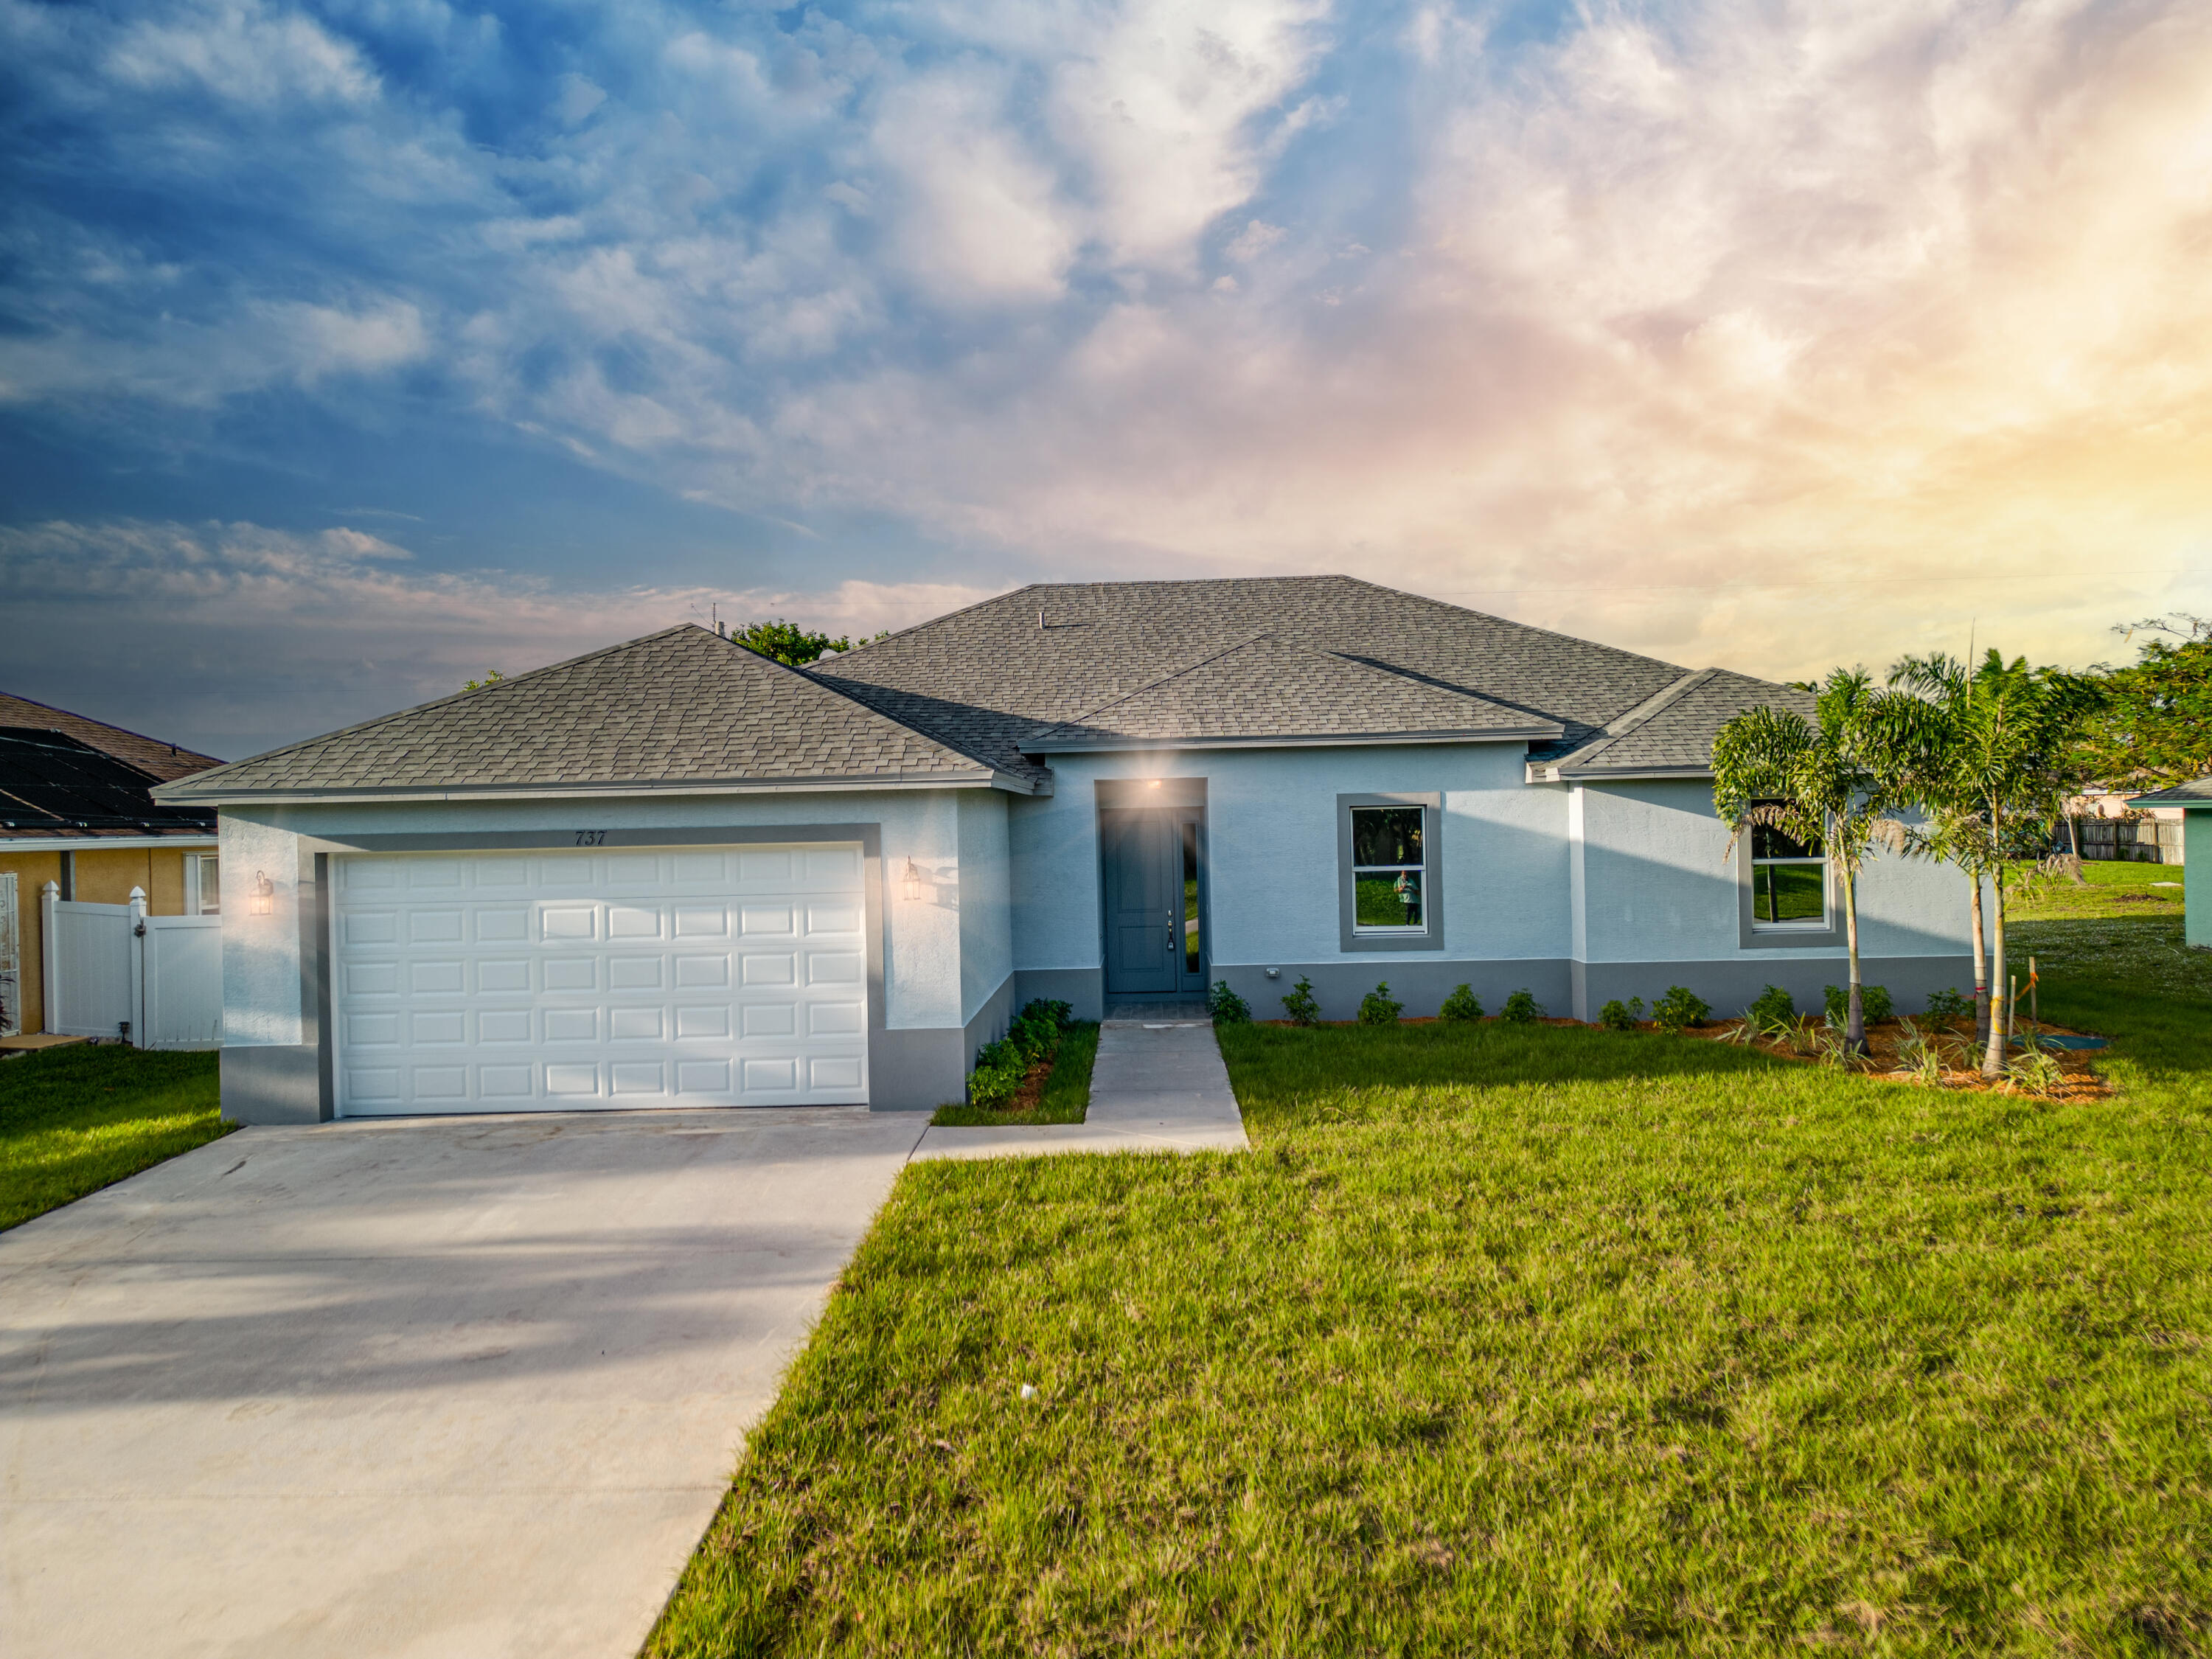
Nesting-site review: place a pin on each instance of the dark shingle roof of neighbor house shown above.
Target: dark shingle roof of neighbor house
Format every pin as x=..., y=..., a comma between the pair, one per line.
x=1072, y=665
x=682, y=707
x=66, y=776
x=150, y=754
x=980, y=695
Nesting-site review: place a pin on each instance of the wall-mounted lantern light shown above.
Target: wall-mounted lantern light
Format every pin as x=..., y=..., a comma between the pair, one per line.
x=910, y=883
x=265, y=894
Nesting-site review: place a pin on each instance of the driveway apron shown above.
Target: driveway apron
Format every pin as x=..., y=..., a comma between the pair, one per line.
x=456, y=1388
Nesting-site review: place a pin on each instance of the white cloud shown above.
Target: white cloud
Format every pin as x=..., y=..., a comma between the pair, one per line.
x=247, y=54
x=982, y=220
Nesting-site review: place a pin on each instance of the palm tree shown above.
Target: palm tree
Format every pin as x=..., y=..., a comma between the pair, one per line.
x=1993, y=777
x=1833, y=782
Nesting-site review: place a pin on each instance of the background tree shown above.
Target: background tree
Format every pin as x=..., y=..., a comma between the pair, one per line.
x=1994, y=777
x=2155, y=726
x=789, y=643
x=1835, y=781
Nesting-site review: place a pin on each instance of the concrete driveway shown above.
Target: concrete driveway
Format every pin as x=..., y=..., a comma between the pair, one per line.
x=464, y=1388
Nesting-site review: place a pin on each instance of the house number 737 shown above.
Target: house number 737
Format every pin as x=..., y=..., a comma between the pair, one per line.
x=591, y=838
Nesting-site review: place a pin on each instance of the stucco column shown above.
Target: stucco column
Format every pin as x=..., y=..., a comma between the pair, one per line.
x=2196, y=878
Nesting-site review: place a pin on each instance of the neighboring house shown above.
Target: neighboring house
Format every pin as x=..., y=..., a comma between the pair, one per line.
x=672, y=871
x=2192, y=803
x=76, y=811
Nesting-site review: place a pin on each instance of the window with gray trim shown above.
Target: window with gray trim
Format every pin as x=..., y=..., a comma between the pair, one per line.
x=1389, y=877
x=1789, y=881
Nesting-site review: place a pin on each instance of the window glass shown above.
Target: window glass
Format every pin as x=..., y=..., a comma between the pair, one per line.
x=1193, y=954
x=210, y=882
x=1389, y=870
x=1789, y=880
x=1770, y=843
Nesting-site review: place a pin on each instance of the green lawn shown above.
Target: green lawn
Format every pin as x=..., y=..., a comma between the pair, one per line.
x=1522, y=1340
x=1066, y=1097
x=2110, y=891
x=74, y=1120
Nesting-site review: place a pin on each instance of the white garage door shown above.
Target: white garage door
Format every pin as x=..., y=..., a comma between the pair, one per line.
x=522, y=982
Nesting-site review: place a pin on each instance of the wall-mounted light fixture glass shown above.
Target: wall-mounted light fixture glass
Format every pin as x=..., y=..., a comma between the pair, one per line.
x=910, y=883
x=265, y=894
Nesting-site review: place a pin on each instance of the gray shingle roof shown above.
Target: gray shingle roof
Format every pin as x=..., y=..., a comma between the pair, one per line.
x=679, y=707
x=994, y=678
x=1674, y=731
x=2198, y=792
x=1245, y=694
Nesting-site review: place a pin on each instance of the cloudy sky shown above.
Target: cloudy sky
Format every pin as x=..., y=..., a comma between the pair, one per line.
x=347, y=349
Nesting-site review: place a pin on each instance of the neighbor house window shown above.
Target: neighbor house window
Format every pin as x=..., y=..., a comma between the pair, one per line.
x=1389, y=870
x=1789, y=881
x=203, y=885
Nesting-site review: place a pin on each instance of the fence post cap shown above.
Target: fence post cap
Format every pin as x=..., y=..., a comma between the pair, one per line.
x=52, y=887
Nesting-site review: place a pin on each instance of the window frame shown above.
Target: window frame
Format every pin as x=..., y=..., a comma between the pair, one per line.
x=197, y=866
x=1757, y=935
x=1429, y=935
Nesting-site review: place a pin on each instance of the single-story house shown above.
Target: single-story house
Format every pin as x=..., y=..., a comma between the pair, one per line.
x=673, y=871
x=2192, y=803
x=76, y=811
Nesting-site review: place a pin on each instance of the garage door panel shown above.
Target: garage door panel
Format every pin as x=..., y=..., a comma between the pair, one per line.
x=508, y=981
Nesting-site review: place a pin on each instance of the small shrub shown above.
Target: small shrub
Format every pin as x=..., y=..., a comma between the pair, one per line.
x=1461, y=1007
x=1035, y=1035
x=1771, y=1006
x=1919, y=1056
x=1227, y=1006
x=1058, y=1013
x=1302, y=1004
x=2035, y=1072
x=998, y=1056
x=1618, y=1016
x=1947, y=1007
x=999, y=1069
x=1521, y=1009
x=1873, y=1002
x=1379, y=1008
x=1679, y=1007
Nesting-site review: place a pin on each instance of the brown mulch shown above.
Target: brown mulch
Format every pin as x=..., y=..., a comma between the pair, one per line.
x=2081, y=1079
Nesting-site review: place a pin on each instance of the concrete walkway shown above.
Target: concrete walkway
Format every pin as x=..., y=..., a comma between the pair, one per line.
x=445, y=1389
x=1158, y=1086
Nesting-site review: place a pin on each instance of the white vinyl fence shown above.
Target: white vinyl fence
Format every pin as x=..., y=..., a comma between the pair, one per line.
x=114, y=971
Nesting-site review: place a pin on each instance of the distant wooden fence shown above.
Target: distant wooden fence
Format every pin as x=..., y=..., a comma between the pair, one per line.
x=2146, y=840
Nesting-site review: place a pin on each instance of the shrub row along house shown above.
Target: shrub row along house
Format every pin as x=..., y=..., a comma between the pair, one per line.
x=674, y=872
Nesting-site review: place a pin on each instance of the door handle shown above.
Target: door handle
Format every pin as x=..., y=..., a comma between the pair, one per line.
x=1171, y=942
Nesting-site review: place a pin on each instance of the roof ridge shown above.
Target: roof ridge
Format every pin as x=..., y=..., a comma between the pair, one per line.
x=822, y=683
x=1627, y=721
x=504, y=681
x=1526, y=628
x=1172, y=674
x=928, y=622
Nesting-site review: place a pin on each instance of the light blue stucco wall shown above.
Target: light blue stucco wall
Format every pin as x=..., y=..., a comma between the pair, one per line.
x=1659, y=886
x=266, y=997
x=986, y=939
x=1271, y=822
x=2196, y=878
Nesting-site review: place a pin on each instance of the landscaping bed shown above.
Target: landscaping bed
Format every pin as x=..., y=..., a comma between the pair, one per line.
x=1055, y=1089
x=74, y=1120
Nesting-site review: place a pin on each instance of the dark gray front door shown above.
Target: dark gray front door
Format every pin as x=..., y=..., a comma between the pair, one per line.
x=1143, y=855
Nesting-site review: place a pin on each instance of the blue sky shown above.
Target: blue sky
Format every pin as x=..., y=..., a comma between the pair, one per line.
x=347, y=349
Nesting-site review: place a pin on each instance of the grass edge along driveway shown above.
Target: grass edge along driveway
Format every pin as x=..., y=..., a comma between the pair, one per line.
x=1631, y=1344
x=77, y=1119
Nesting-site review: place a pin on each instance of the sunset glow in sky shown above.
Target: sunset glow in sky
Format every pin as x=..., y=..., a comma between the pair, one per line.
x=351, y=348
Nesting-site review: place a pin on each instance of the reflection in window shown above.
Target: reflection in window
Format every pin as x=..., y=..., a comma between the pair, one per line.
x=1193, y=954
x=1389, y=870
x=1789, y=881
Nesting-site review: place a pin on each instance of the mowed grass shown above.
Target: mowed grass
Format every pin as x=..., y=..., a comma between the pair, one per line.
x=2111, y=889
x=1065, y=1098
x=74, y=1120
x=1529, y=1340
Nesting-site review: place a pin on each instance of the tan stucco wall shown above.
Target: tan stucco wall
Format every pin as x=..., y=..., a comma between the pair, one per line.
x=103, y=877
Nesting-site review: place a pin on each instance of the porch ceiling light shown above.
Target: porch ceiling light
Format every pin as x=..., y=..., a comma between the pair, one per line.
x=265, y=894
x=910, y=883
